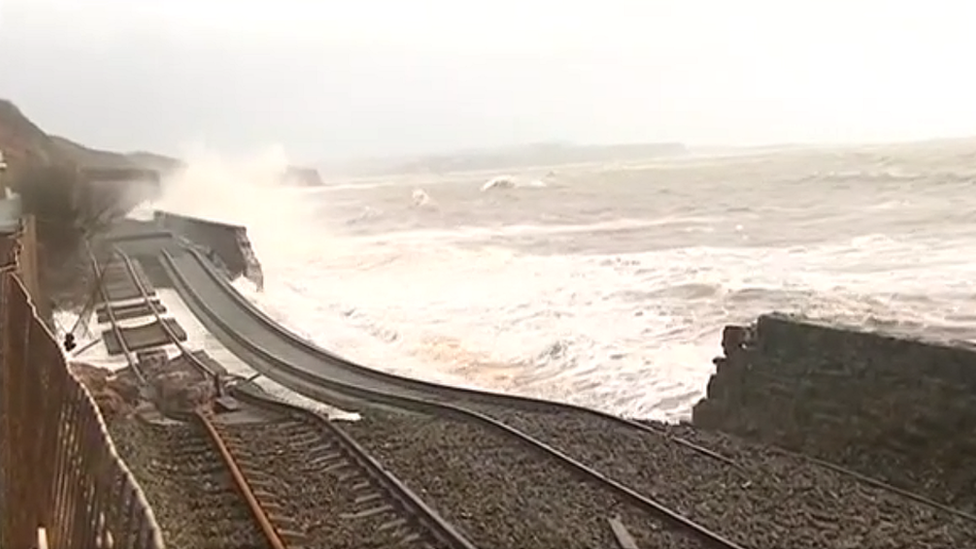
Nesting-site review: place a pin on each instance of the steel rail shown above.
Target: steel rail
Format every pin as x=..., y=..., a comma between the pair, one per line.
x=501, y=399
x=257, y=511
x=240, y=482
x=871, y=481
x=308, y=383
x=433, y=389
x=405, y=498
x=144, y=292
x=116, y=329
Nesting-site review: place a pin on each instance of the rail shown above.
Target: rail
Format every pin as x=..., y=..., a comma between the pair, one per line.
x=114, y=321
x=199, y=365
x=431, y=523
x=259, y=514
x=437, y=391
x=312, y=385
x=427, y=389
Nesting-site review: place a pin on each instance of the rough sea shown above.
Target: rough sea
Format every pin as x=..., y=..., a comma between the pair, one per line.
x=604, y=285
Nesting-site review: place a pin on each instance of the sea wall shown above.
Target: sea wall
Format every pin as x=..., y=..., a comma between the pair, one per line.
x=302, y=177
x=229, y=242
x=894, y=407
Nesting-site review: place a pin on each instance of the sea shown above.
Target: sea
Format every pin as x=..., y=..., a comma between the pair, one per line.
x=605, y=285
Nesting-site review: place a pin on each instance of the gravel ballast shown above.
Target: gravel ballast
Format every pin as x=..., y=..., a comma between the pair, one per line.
x=316, y=493
x=499, y=492
x=767, y=500
x=192, y=495
x=502, y=494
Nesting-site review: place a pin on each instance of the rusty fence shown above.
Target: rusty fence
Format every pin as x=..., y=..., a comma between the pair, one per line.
x=62, y=485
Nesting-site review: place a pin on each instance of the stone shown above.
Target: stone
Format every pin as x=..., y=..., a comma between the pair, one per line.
x=894, y=406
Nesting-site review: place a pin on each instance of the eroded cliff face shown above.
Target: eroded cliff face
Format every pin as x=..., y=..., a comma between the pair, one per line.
x=890, y=406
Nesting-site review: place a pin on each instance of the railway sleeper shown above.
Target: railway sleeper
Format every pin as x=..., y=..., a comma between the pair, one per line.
x=379, y=517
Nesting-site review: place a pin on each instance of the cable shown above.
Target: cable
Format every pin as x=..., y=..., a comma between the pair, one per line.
x=69, y=337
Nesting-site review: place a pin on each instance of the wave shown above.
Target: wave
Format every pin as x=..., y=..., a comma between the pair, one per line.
x=421, y=198
x=510, y=182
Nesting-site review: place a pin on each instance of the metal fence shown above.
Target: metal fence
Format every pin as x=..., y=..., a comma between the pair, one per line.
x=60, y=470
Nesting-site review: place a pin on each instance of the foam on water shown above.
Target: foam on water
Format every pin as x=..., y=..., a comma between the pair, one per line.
x=631, y=333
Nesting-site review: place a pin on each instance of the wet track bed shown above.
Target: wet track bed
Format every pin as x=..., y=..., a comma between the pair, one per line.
x=500, y=492
x=757, y=497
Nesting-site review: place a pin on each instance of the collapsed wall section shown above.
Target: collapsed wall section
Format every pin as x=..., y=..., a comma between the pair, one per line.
x=893, y=407
x=229, y=243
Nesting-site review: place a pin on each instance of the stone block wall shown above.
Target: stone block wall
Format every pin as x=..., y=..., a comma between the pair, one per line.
x=894, y=407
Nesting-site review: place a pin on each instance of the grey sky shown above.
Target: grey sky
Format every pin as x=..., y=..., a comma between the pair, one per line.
x=334, y=79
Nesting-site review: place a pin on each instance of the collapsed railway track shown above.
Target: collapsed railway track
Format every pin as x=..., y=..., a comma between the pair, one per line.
x=667, y=516
x=322, y=375
x=257, y=441
x=498, y=415
x=223, y=517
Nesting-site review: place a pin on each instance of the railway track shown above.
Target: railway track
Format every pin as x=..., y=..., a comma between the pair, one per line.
x=238, y=441
x=473, y=405
x=250, y=466
x=208, y=512
x=668, y=517
x=491, y=404
x=212, y=494
x=317, y=486
x=231, y=464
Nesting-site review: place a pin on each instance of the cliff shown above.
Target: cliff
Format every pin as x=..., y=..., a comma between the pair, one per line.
x=890, y=406
x=26, y=145
x=71, y=190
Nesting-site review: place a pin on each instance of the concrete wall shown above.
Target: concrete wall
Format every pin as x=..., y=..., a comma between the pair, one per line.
x=897, y=408
x=229, y=242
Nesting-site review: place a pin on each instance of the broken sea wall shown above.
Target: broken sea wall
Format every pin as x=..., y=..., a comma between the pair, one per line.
x=894, y=407
x=229, y=242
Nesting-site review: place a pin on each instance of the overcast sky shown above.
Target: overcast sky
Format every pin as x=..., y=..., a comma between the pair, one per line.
x=373, y=77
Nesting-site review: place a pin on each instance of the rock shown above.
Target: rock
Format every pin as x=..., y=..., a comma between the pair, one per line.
x=115, y=395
